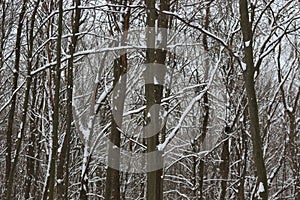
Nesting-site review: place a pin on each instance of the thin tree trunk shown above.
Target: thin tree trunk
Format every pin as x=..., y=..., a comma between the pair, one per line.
x=9, y=171
x=205, y=117
x=252, y=100
x=49, y=189
x=244, y=150
x=30, y=163
x=290, y=111
x=63, y=165
x=224, y=167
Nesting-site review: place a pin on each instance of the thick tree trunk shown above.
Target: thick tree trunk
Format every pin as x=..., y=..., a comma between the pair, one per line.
x=252, y=100
x=112, y=187
x=153, y=191
x=153, y=93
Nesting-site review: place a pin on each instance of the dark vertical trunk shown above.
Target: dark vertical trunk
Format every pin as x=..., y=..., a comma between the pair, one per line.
x=290, y=110
x=252, y=100
x=205, y=102
x=112, y=187
x=153, y=93
x=3, y=34
x=63, y=165
x=244, y=151
x=201, y=178
x=153, y=180
x=224, y=168
x=9, y=171
x=30, y=163
x=50, y=183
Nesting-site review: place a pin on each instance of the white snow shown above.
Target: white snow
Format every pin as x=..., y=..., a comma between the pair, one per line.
x=155, y=80
x=290, y=109
x=59, y=181
x=162, y=146
x=20, y=130
x=255, y=74
x=247, y=43
x=261, y=188
x=159, y=37
x=244, y=66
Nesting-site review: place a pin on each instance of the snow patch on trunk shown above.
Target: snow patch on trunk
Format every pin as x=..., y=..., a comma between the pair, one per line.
x=247, y=43
x=261, y=189
x=244, y=66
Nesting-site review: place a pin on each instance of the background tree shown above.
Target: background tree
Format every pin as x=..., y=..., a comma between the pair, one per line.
x=225, y=107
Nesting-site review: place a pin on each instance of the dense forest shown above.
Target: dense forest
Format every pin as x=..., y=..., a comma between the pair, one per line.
x=150, y=99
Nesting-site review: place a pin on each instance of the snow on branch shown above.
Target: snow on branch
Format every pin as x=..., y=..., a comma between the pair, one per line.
x=204, y=31
x=168, y=139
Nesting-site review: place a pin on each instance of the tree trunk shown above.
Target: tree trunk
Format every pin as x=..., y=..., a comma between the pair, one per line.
x=63, y=165
x=224, y=168
x=112, y=186
x=252, y=100
x=155, y=61
x=30, y=162
x=9, y=172
x=205, y=116
x=51, y=178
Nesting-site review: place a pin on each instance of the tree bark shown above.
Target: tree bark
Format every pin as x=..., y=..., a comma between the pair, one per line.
x=51, y=178
x=30, y=163
x=224, y=168
x=153, y=94
x=112, y=186
x=63, y=165
x=252, y=100
x=9, y=171
x=205, y=116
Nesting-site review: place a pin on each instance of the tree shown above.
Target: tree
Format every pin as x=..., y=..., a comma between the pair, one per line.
x=10, y=169
x=252, y=101
x=154, y=78
x=49, y=190
x=64, y=157
x=112, y=186
x=199, y=99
